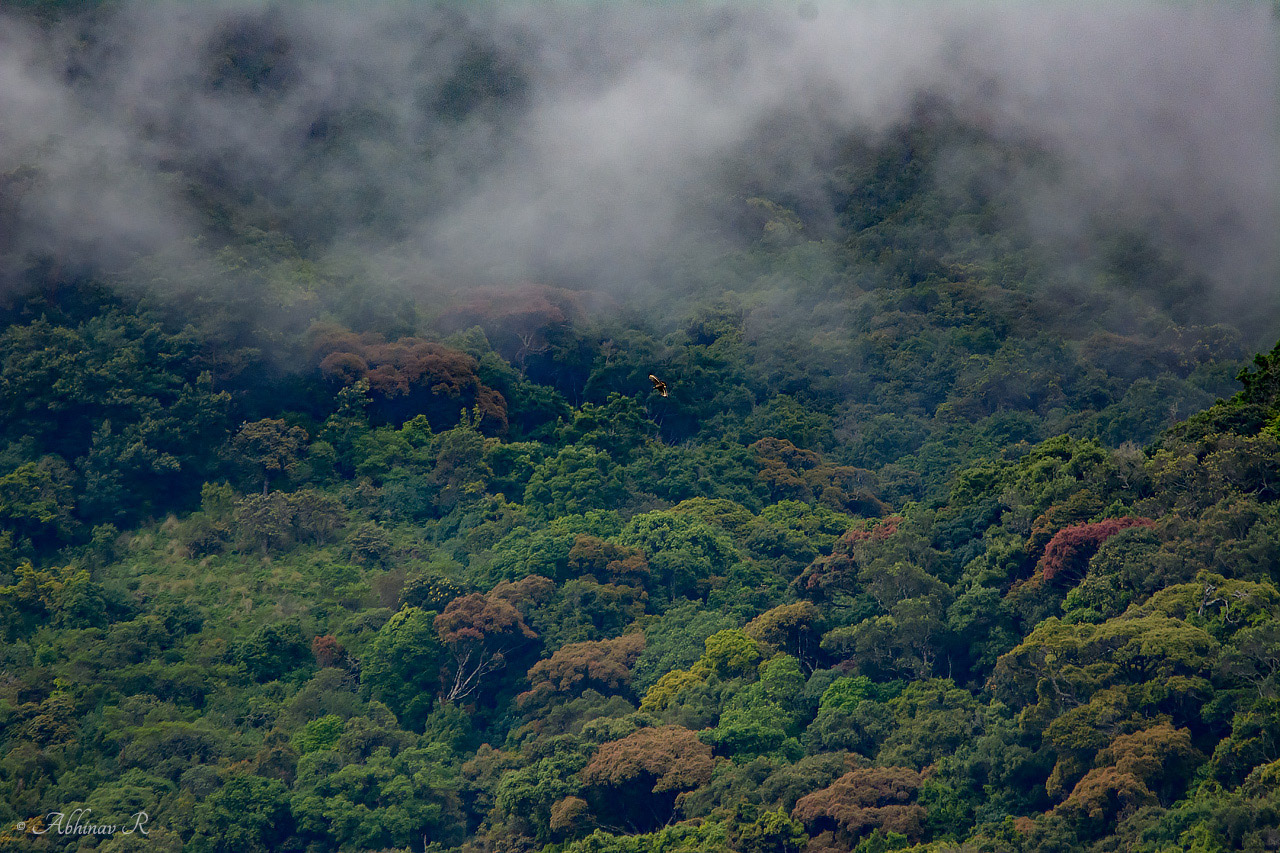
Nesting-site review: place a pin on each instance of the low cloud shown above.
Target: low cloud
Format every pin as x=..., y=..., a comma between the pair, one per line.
x=576, y=144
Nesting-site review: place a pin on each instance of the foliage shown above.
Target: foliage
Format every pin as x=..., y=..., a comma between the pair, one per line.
x=635, y=781
x=915, y=551
x=408, y=377
x=401, y=667
x=863, y=799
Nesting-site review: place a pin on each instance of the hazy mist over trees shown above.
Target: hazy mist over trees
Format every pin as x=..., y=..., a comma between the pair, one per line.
x=789, y=427
x=441, y=146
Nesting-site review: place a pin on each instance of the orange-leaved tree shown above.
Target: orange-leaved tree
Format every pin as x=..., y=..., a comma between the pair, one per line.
x=636, y=783
x=480, y=632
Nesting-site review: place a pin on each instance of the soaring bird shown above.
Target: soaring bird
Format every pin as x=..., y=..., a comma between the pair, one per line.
x=658, y=385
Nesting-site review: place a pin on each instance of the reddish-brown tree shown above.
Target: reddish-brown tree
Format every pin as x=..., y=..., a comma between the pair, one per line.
x=526, y=594
x=520, y=321
x=480, y=631
x=1104, y=795
x=570, y=815
x=328, y=651
x=1137, y=769
x=864, y=799
x=636, y=782
x=409, y=376
x=609, y=563
x=604, y=666
x=1066, y=557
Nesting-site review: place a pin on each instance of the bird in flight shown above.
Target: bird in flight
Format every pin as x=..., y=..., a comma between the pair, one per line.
x=658, y=385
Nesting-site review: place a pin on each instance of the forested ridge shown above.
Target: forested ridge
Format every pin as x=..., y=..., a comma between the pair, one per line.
x=942, y=539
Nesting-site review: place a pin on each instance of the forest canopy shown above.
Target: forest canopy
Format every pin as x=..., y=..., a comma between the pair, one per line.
x=339, y=511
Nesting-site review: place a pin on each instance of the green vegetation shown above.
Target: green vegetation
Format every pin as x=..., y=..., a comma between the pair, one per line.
x=923, y=554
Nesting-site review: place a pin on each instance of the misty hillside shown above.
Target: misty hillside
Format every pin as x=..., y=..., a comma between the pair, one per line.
x=639, y=428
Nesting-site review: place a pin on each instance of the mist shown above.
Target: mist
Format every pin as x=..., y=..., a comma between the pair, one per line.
x=450, y=146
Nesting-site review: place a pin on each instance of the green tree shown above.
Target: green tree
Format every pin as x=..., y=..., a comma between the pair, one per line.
x=676, y=640
x=619, y=427
x=37, y=502
x=265, y=521
x=269, y=446
x=685, y=554
x=771, y=832
x=248, y=813
x=729, y=654
x=402, y=667
x=573, y=481
x=316, y=515
x=119, y=398
x=759, y=718
x=273, y=652
x=323, y=733
x=531, y=800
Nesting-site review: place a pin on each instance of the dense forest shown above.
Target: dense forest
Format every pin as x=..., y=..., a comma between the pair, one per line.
x=946, y=536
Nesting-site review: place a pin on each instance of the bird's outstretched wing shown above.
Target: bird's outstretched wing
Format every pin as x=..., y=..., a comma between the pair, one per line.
x=658, y=385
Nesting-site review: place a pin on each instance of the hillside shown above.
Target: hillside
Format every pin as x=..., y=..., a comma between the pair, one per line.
x=336, y=519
